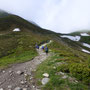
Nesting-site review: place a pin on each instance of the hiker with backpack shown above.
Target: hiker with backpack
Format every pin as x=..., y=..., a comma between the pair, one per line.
x=37, y=46
x=46, y=50
x=42, y=48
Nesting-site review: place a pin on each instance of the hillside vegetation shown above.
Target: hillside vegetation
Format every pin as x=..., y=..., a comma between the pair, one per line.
x=67, y=59
x=19, y=46
x=68, y=68
x=74, y=65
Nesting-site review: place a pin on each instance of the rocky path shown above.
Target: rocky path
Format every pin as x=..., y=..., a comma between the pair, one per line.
x=15, y=77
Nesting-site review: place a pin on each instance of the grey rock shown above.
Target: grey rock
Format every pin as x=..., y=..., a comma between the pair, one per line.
x=60, y=73
x=3, y=71
x=10, y=71
x=33, y=86
x=11, y=74
x=46, y=75
x=17, y=88
x=9, y=89
x=9, y=80
x=76, y=81
x=24, y=89
x=0, y=82
x=27, y=86
x=30, y=68
x=37, y=89
x=45, y=81
x=19, y=72
x=1, y=89
x=23, y=82
x=9, y=86
x=25, y=74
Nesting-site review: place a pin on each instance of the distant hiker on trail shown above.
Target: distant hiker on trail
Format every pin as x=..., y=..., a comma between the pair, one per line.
x=37, y=47
x=46, y=50
x=42, y=48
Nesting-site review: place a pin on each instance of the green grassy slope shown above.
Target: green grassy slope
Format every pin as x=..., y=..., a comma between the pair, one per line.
x=73, y=63
x=15, y=21
x=19, y=46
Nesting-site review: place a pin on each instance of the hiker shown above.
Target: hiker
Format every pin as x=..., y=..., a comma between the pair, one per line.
x=42, y=48
x=46, y=50
x=37, y=47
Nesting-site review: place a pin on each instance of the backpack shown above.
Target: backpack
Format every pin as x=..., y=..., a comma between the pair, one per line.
x=46, y=49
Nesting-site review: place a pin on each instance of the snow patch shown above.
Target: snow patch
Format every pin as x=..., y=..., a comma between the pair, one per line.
x=87, y=45
x=74, y=38
x=86, y=51
x=84, y=34
x=16, y=30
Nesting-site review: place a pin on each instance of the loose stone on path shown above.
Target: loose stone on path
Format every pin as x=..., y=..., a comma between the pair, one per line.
x=19, y=72
x=1, y=89
x=9, y=87
x=17, y=88
x=46, y=75
x=24, y=89
x=45, y=81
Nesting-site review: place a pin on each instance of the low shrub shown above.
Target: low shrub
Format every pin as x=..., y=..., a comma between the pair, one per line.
x=81, y=72
x=63, y=68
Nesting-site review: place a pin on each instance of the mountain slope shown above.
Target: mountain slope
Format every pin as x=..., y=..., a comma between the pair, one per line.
x=12, y=20
x=3, y=14
x=78, y=40
x=19, y=46
x=68, y=68
x=17, y=42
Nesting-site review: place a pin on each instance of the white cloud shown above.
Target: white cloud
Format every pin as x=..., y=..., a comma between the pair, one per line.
x=58, y=15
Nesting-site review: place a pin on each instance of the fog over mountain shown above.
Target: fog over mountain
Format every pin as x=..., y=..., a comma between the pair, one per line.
x=62, y=16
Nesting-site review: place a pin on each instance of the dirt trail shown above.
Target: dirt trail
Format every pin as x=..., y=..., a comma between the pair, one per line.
x=15, y=76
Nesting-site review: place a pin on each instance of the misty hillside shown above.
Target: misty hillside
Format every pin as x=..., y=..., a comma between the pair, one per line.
x=79, y=32
x=70, y=54
x=11, y=21
x=3, y=14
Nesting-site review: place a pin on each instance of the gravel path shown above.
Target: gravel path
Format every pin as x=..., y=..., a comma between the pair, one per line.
x=14, y=78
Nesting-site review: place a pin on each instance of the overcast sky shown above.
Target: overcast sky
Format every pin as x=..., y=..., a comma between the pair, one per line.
x=62, y=16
